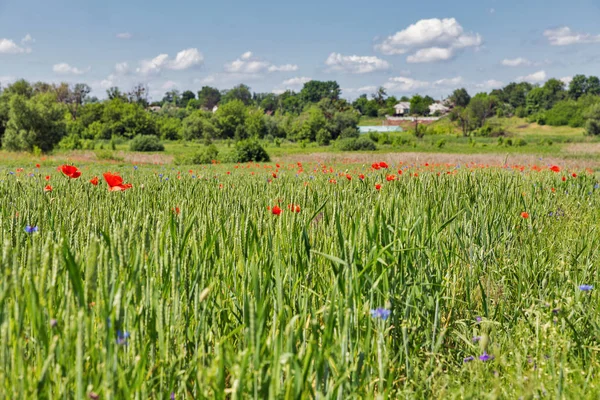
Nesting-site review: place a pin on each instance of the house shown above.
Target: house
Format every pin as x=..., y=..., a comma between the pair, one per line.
x=402, y=108
x=215, y=108
x=438, y=108
x=154, y=108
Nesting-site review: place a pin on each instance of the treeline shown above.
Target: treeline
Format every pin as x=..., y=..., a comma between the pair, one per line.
x=555, y=103
x=42, y=116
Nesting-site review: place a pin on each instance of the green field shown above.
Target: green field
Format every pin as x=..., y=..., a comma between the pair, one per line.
x=188, y=284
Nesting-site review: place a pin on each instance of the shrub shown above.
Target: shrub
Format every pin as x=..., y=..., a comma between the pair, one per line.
x=440, y=143
x=349, y=132
x=249, y=150
x=374, y=136
x=360, y=144
x=323, y=137
x=520, y=142
x=203, y=157
x=592, y=127
x=146, y=143
x=70, y=142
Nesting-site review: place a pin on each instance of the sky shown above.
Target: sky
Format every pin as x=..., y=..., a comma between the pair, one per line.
x=407, y=47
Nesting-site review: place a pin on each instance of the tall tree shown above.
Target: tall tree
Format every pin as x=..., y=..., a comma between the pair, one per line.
x=186, y=97
x=240, y=92
x=577, y=87
x=460, y=97
x=209, y=97
x=315, y=91
x=139, y=94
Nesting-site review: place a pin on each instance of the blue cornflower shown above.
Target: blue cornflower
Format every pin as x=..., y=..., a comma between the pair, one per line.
x=586, y=288
x=597, y=185
x=468, y=359
x=122, y=338
x=485, y=357
x=135, y=167
x=380, y=313
x=160, y=175
x=476, y=339
x=31, y=229
x=478, y=319
x=172, y=396
x=12, y=173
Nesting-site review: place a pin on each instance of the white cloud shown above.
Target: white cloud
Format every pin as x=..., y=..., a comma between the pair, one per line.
x=360, y=90
x=283, y=68
x=247, y=64
x=27, y=39
x=566, y=79
x=6, y=80
x=492, y=10
x=8, y=46
x=431, y=54
x=168, y=85
x=431, y=40
x=564, y=36
x=298, y=81
x=122, y=68
x=124, y=35
x=516, y=62
x=66, y=69
x=278, y=91
x=536, y=77
x=185, y=59
x=355, y=64
x=404, y=84
x=490, y=84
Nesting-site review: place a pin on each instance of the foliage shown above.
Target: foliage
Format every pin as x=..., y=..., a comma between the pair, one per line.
x=249, y=150
x=356, y=144
x=146, y=143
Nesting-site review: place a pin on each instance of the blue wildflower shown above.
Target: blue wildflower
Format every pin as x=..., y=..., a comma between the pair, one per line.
x=586, y=288
x=468, y=359
x=478, y=319
x=380, y=313
x=135, y=167
x=597, y=185
x=122, y=338
x=172, y=396
x=485, y=357
x=31, y=229
x=476, y=339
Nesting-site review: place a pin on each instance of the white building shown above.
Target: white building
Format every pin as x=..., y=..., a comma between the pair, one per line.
x=437, y=107
x=402, y=108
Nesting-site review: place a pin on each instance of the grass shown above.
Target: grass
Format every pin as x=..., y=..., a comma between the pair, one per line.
x=188, y=284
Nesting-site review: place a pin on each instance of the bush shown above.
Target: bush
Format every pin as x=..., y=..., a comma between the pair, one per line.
x=249, y=150
x=374, y=136
x=146, y=143
x=360, y=144
x=592, y=127
x=70, y=142
x=520, y=142
x=203, y=157
x=440, y=143
x=323, y=137
x=349, y=132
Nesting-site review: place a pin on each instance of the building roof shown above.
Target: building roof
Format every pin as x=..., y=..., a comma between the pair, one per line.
x=403, y=104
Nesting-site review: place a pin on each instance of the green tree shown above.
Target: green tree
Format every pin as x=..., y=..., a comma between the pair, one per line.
x=578, y=86
x=186, y=97
x=255, y=124
x=593, y=86
x=209, y=97
x=240, y=92
x=315, y=91
x=419, y=105
x=229, y=117
x=460, y=97
x=38, y=121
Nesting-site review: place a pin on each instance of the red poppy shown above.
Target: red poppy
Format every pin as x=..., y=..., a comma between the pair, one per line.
x=525, y=215
x=176, y=210
x=349, y=177
x=383, y=165
x=375, y=166
x=37, y=165
x=390, y=178
x=294, y=208
x=47, y=177
x=332, y=181
x=361, y=177
x=564, y=178
x=277, y=165
x=48, y=188
x=378, y=186
x=574, y=175
x=276, y=210
x=115, y=182
x=399, y=172
x=71, y=171
x=94, y=181
x=274, y=175
x=555, y=168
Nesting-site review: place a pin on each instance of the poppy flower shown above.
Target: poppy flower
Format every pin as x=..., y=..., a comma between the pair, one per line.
x=37, y=165
x=375, y=166
x=564, y=178
x=555, y=168
x=390, y=178
x=71, y=171
x=115, y=182
x=294, y=208
x=176, y=210
x=94, y=181
x=47, y=177
x=349, y=177
x=48, y=188
x=378, y=186
x=574, y=175
x=361, y=177
x=525, y=215
x=276, y=210
x=383, y=165
x=399, y=172
x=274, y=175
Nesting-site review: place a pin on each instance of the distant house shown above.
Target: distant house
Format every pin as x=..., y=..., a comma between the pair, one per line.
x=215, y=108
x=402, y=108
x=154, y=108
x=438, y=108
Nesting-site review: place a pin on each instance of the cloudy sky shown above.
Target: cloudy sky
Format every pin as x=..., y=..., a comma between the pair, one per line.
x=273, y=45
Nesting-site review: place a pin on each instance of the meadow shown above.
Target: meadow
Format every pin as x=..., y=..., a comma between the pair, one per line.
x=299, y=280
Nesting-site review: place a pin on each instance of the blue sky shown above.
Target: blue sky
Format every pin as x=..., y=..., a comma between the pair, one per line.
x=408, y=47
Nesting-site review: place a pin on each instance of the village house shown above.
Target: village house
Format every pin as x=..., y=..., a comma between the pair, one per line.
x=439, y=108
x=402, y=108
